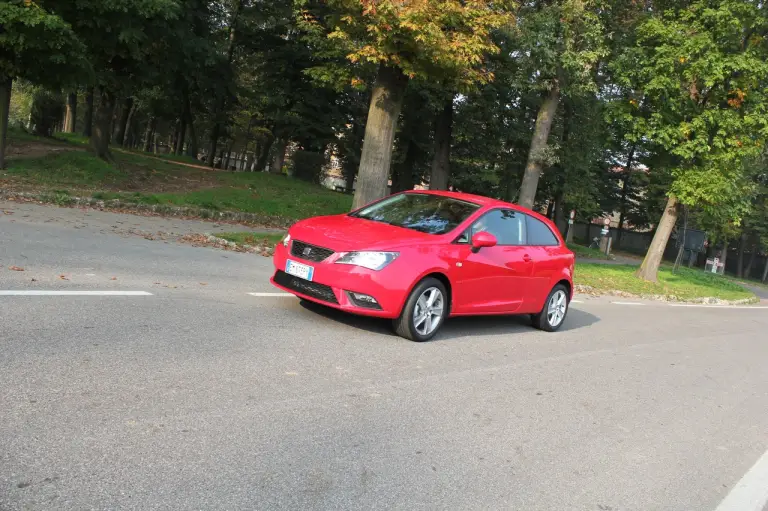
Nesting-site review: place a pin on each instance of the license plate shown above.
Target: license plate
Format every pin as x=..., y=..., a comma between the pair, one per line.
x=302, y=271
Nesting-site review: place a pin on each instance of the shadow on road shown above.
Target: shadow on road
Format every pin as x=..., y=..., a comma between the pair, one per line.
x=454, y=328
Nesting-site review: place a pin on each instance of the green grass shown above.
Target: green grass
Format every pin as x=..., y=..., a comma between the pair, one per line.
x=17, y=136
x=75, y=169
x=586, y=252
x=293, y=206
x=252, y=238
x=134, y=177
x=72, y=138
x=686, y=284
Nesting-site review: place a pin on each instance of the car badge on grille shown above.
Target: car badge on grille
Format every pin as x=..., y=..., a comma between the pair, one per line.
x=306, y=251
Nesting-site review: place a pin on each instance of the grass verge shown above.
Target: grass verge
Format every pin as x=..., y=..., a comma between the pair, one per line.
x=685, y=285
x=148, y=181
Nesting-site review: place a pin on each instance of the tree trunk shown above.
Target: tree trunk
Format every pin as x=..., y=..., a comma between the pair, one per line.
x=71, y=115
x=750, y=264
x=149, y=134
x=88, y=118
x=402, y=177
x=192, y=148
x=559, y=219
x=765, y=270
x=221, y=102
x=128, y=132
x=650, y=266
x=277, y=163
x=550, y=213
x=214, y=143
x=386, y=102
x=724, y=259
x=179, y=147
x=101, y=126
x=226, y=161
x=740, y=261
x=5, y=109
x=624, y=192
x=533, y=167
x=123, y=122
x=261, y=161
x=438, y=179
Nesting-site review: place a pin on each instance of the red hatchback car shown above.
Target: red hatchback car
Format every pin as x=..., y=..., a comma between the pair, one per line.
x=418, y=257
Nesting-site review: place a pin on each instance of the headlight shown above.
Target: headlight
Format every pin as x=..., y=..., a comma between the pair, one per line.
x=370, y=260
x=287, y=240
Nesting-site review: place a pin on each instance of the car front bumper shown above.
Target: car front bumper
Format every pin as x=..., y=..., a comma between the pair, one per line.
x=332, y=284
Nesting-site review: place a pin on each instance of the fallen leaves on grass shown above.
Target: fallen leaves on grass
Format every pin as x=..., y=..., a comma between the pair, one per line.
x=15, y=268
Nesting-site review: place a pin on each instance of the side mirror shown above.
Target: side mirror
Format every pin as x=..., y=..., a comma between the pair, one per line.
x=483, y=240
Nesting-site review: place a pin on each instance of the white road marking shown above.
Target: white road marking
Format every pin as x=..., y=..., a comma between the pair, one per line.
x=270, y=295
x=751, y=492
x=576, y=301
x=716, y=306
x=628, y=303
x=72, y=293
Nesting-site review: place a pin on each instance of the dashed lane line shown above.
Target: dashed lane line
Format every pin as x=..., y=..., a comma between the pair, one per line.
x=27, y=292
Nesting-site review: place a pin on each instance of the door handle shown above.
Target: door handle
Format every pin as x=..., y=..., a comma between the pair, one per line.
x=527, y=258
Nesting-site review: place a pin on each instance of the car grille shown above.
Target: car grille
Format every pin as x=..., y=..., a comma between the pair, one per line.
x=309, y=252
x=305, y=287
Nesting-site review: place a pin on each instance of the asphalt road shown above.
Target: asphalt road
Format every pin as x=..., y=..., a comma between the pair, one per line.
x=201, y=396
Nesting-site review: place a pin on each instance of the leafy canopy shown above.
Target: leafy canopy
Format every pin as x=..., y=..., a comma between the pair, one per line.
x=703, y=67
x=424, y=38
x=35, y=44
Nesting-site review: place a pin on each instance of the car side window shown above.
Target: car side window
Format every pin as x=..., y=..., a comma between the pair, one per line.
x=506, y=225
x=539, y=234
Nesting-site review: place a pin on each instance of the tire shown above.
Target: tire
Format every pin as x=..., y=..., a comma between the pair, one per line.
x=550, y=322
x=407, y=325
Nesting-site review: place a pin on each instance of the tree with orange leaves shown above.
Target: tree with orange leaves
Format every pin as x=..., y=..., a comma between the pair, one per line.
x=432, y=39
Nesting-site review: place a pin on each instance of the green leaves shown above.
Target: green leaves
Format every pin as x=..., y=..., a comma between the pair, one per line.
x=701, y=69
x=36, y=44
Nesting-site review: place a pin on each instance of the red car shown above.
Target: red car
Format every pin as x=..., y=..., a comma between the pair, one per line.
x=419, y=257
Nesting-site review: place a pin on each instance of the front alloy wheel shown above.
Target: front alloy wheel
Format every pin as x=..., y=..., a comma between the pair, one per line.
x=424, y=311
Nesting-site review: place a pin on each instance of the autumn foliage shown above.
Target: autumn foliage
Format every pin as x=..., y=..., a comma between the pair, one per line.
x=421, y=37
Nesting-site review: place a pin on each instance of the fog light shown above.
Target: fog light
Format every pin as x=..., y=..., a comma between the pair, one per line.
x=363, y=300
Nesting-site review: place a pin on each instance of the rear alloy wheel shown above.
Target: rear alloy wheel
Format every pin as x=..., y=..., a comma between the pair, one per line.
x=424, y=311
x=555, y=309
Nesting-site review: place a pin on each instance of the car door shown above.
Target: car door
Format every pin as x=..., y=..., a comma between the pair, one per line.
x=543, y=247
x=492, y=280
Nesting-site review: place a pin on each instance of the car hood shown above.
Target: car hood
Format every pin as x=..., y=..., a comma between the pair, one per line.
x=344, y=233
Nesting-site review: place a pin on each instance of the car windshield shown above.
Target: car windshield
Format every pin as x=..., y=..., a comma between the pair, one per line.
x=432, y=214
